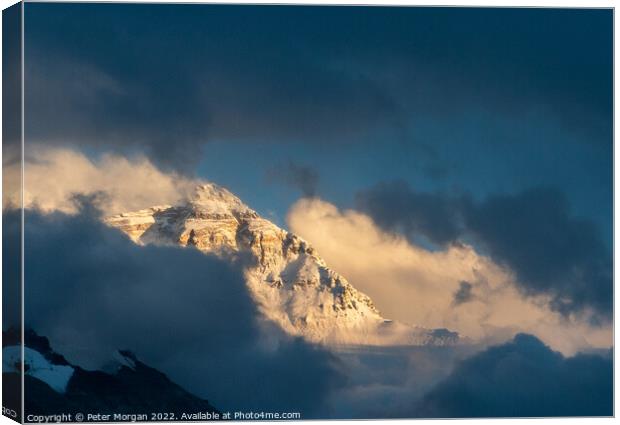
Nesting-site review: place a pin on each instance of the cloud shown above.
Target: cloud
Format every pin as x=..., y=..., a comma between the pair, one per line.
x=301, y=177
x=533, y=232
x=524, y=378
x=11, y=272
x=76, y=103
x=383, y=381
x=521, y=377
x=165, y=80
x=11, y=78
x=184, y=88
x=412, y=284
x=397, y=208
x=463, y=294
x=551, y=251
x=181, y=311
x=53, y=176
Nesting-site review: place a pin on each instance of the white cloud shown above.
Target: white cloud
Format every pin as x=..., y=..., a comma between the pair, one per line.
x=52, y=176
x=414, y=285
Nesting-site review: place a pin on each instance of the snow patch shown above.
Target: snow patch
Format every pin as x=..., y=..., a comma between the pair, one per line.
x=37, y=366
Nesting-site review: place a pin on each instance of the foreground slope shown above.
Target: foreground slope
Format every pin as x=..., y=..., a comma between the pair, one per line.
x=126, y=387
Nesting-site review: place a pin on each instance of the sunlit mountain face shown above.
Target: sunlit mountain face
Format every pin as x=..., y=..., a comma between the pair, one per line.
x=341, y=212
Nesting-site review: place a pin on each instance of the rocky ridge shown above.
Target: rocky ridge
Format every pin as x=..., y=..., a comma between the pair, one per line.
x=292, y=285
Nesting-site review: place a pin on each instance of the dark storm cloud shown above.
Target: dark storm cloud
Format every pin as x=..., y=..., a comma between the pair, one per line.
x=551, y=251
x=398, y=208
x=463, y=294
x=11, y=147
x=11, y=271
x=164, y=79
x=301, y=177
x=524, y=378
x=92, y=291
x=11, y=80
x=11, y=154
x=532, y=232
x=79, y=105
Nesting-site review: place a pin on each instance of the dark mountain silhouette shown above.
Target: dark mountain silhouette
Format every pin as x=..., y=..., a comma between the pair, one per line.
x=128, y=387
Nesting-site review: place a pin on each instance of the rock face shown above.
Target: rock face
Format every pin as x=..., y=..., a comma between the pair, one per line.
x=291, y=283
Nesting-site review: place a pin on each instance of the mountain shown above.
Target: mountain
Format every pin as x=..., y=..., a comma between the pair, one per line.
x=54, y=386
x=291, y=284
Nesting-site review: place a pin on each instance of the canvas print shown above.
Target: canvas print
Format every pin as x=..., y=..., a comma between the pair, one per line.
x=246, y=212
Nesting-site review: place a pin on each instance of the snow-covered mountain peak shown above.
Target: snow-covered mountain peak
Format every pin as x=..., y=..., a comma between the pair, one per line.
x=210, y=198
x=291, y=284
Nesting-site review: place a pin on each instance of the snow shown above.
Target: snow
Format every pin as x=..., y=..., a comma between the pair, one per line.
x=123, y=360
x=214, y=199
x=37, y=366
x=291, y=284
